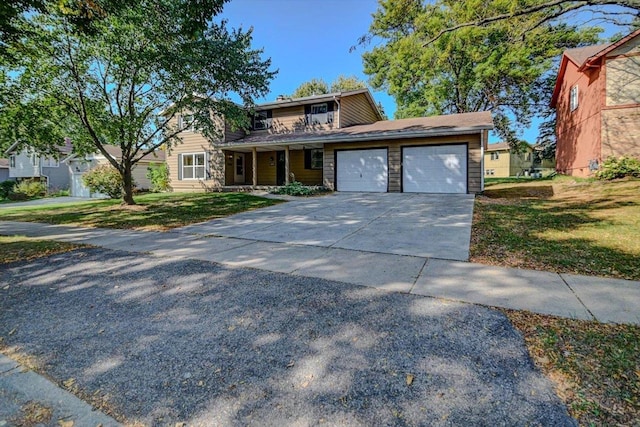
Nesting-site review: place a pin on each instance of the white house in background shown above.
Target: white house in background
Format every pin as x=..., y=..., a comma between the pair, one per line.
x=4, y=169
x=79, y=165
x=26, y=163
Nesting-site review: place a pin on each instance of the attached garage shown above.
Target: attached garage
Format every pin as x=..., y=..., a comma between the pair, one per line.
x=362, y=170
x=435, y=169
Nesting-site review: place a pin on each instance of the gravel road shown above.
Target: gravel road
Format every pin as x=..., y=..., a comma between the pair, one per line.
x=162, y=341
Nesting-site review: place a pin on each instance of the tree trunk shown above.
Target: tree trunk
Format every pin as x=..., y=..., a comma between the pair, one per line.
x=127, y=184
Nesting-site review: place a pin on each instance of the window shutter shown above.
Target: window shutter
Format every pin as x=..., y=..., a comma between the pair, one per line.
x=307, y=159
x=207, y=174
x=307, y=114
x=179, y=167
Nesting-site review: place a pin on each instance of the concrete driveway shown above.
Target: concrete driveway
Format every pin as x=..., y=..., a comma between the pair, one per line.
x=424, y=225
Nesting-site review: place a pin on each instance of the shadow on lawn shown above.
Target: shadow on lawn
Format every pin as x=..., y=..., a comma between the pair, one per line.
x=162, y=341
x=521, y=228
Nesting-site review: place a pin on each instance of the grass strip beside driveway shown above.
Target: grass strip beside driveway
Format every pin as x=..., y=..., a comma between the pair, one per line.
x=596, y=366
x=562, y=225
x=20, y=248
x=158, y=211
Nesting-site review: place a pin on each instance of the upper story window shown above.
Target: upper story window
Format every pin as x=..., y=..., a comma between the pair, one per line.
x=573, y=98
x=495, y=155
x=262, y=120
x=319, y=114
x=186, y=122
x=35, y=160
x=12, y=161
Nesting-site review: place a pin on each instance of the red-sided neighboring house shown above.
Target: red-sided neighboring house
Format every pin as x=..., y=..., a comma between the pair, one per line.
x=597, y=101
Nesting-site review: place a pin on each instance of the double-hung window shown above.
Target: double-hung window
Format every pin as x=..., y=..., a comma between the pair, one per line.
x=319, y=114
x=193, y=166
x=262, y=120
x=495, y=155
x=186, y=122
x=12, y=161
x=573, y=97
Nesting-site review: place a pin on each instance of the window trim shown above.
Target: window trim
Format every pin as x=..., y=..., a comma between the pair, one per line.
x=181, y=166
x=266, y=121
x=12, y=161
x=574, y=98
x=495, y=155
x=182, y=126
x=316, y=167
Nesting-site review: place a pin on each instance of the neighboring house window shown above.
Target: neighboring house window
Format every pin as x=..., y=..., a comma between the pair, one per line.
x=193, y=166
x=573, y=98
x=12, y=161
x=35, y=160
x=262, y=120
x=186, y=122
x=495, y=155
x=527, y=157
x=313, y=158
x=50, y=162
x=490, y=172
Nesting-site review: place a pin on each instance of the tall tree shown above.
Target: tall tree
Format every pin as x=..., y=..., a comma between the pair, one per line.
x=310, y=88
x=124, y=82
x=344, y=83
x=474, y=68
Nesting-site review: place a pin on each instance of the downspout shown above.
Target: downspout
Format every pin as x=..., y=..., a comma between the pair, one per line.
x=337, y=102
x=482, y=161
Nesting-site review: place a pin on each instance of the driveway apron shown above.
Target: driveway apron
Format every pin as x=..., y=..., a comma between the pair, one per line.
x=425, y=225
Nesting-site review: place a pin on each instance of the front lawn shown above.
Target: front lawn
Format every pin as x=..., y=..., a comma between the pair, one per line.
x=158, y=211
x=20, y=248
x=595, y=366
x=561, y=224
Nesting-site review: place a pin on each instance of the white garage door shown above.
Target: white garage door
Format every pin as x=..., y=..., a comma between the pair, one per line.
x=435, y=169
x=362, y=170
x=78, y=189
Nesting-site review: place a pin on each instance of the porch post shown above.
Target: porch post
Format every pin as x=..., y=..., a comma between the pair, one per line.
x=254, y=166
x=286, y=165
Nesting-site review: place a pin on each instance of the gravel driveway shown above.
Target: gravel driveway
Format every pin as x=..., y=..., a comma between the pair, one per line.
x=164, y=340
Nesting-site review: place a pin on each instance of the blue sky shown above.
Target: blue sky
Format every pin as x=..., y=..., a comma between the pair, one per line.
x=308, y=39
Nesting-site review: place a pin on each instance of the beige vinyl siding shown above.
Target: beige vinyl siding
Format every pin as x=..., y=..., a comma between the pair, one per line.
x=305, y=176
x=623, y=80
x=194, y=142
x=394, y=157
x=356, y=110
x=232, y=135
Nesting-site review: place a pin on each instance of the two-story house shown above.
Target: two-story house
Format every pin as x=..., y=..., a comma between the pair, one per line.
x=340, y=141
x=26, y=163
x=501, y=161
x=597, y=101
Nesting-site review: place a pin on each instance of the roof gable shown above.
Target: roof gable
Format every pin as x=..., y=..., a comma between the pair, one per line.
x=584, y=57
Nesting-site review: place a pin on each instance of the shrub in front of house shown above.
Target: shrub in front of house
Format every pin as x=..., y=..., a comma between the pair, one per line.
x=27, y=189
x=296, y=188
x=104, y=179
x=619, y=167
x=6, y=188
x=158, y=174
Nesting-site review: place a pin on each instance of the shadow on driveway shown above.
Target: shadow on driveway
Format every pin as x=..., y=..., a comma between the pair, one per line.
x=165, y=340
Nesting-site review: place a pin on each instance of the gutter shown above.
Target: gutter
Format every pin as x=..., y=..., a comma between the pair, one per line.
x=364, y=137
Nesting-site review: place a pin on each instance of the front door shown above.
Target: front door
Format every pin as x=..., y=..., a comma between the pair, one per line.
x=280, y=168
x=238, y=176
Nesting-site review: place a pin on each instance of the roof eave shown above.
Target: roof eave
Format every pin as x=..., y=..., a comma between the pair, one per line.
x=364, y=136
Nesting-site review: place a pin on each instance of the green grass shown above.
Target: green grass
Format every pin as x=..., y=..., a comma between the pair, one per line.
x=564, y=225
x=155, y=211
x=596, y=367
x=20, y=248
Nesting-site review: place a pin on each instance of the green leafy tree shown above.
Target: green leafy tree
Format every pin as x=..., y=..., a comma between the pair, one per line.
x=471, y=69
x=110, y=86
x=344, y=84
x=310, y=88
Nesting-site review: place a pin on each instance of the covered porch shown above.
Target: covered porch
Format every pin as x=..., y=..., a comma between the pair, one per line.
x=273, y=165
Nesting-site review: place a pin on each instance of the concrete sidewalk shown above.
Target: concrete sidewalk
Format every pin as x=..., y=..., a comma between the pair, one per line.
x=566, y=295
x=20, y=387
